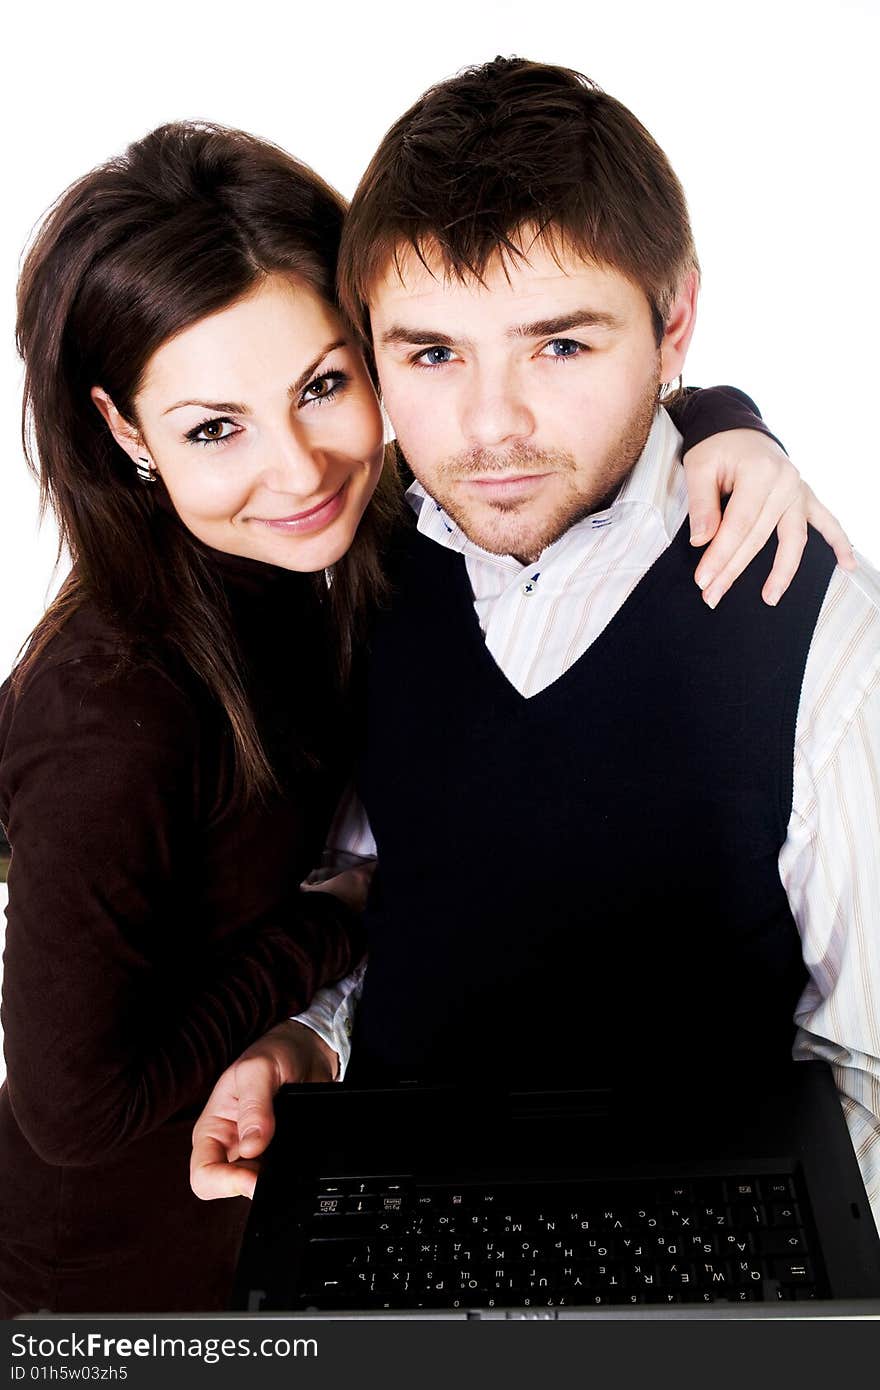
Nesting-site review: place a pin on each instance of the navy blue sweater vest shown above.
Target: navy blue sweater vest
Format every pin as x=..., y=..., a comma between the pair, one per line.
x=584, y=881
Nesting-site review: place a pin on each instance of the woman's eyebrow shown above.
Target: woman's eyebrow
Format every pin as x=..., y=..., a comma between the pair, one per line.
x=235, y=408
x=304, y=377
x=220, y=407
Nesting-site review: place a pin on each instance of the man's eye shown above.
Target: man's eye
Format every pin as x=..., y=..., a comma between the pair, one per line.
x=434, y=357
x=563, y=347
x=212, y=432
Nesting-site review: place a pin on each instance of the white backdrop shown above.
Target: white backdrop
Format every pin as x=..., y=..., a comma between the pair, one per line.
x=767, y=111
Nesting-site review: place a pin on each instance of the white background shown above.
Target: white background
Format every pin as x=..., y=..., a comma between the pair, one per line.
x=767, y=112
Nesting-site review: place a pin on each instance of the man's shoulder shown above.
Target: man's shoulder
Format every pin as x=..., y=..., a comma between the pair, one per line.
x=851, y=608
x=860, y=588
x=842, y=674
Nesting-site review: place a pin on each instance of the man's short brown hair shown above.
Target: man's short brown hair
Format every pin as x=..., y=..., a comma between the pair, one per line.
x=508, y=148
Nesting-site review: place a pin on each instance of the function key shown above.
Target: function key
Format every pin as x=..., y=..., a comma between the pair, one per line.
x=391, y=1202
x=675, y=1193
x=777, y=1189
x=329, y=1206
x=743, y=1190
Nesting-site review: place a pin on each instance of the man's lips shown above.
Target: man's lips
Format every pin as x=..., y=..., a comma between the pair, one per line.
x=505, y=485
x=312, y=518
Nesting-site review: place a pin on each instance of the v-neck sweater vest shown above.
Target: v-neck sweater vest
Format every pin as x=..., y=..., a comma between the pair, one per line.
x=620, y=830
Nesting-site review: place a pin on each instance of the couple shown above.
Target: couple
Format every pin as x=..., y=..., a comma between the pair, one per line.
x=574, y=768
x=609, y=822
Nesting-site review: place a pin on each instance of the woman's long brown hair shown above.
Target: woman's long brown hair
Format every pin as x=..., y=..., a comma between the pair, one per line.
x=180, y=226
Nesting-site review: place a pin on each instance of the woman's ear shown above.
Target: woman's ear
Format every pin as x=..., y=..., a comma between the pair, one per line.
x=125, y=434
x=679, y=328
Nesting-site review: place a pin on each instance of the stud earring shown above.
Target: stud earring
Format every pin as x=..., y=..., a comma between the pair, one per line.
x=145, y=470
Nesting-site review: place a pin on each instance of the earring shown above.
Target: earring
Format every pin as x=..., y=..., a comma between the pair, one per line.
x=145, y=470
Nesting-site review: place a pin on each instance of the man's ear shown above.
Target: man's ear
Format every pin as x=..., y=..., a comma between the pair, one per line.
x=679, y=329
x=125, y=434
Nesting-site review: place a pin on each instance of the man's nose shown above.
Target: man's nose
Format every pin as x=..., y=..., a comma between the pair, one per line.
x=495, y=410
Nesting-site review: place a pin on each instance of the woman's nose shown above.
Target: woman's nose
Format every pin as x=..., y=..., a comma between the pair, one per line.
x=297, y=466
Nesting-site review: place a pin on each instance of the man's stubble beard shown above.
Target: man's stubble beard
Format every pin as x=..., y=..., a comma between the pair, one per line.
x=518, y=536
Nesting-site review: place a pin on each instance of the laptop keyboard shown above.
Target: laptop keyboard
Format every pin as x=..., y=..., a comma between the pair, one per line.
x=387, y=1243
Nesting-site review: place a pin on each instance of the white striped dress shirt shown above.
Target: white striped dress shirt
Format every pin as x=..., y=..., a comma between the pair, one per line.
x=539, y=619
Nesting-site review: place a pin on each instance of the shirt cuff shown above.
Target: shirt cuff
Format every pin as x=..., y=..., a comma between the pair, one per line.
x=331, y=1014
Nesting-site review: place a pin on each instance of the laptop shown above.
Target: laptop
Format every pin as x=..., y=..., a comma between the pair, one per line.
x=435, y=1201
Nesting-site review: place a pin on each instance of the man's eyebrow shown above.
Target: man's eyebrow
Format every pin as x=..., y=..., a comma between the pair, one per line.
x=234, y=408
x=417, y=337
x=541, y=328
x=563, y=323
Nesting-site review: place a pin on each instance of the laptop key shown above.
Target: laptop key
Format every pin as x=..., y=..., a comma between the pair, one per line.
x=700, y=1244
x=748, y=1273
x=342, y=1225
x=784, y=1214
x=679, y=1219
x=329, y=1205
x=777, y=1189
x=739, y=1243
x=781, y=1242
x=742, y=1190
x=799, y=1271
x=747, y=1216
x=359, y=1204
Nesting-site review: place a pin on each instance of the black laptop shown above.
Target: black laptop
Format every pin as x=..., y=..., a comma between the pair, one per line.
x=435, y=1201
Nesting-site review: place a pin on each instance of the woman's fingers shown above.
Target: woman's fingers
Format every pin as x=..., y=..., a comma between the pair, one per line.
x=792, y=534
x=830, y=529
x=257, y=1081
x=749, y=520
x=215, y=1168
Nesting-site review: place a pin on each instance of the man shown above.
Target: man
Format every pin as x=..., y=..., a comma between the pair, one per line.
x=615, y=828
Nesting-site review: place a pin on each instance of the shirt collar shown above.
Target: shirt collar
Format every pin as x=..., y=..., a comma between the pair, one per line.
x=656, y=485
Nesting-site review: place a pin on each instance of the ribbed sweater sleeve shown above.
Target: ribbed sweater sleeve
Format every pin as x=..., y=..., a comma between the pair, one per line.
x=699, y=413
x=112, y=1022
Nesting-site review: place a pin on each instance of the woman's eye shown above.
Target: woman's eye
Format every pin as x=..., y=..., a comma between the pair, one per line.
x=212, y=432
x=435, y=357
x=323, y=387
x=563, y=347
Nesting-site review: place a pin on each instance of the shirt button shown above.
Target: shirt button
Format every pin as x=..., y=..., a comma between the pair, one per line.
x=528, y=587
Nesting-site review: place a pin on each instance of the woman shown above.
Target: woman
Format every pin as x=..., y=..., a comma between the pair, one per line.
x=175, y=739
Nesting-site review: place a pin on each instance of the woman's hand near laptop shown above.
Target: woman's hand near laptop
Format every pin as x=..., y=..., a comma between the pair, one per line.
x=238, y=1120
